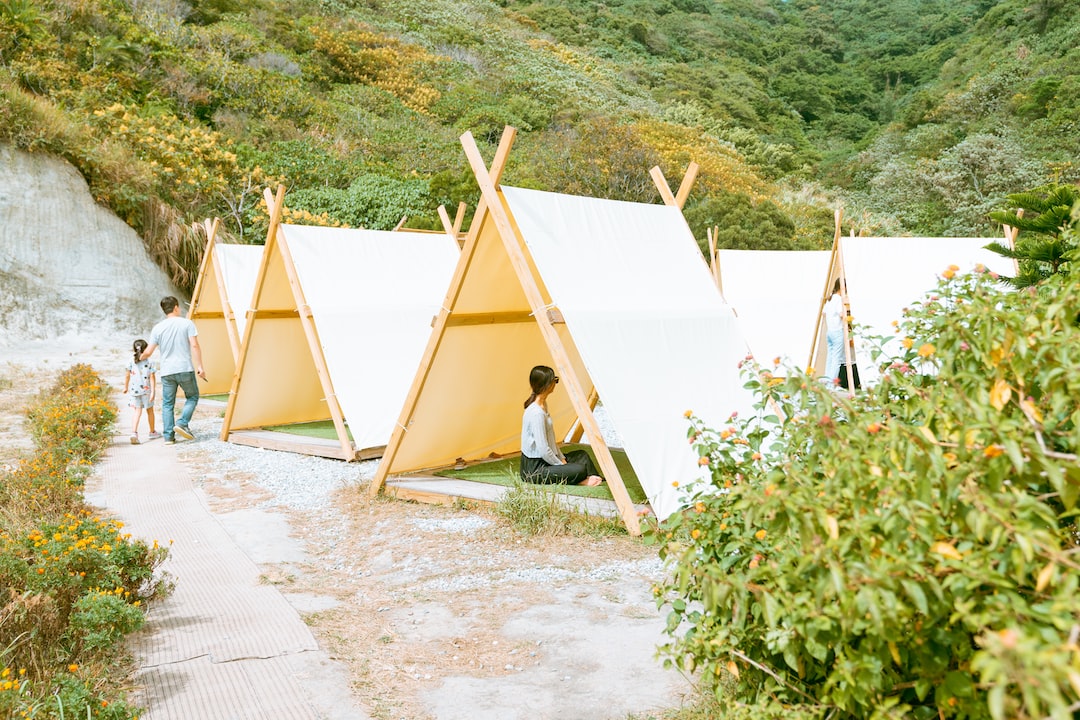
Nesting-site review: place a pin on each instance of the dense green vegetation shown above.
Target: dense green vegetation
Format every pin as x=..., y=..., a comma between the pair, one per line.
x=919, y=116
x=908, y=552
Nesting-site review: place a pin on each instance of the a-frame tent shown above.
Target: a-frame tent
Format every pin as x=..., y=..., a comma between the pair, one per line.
x=615, y=296
x=880, y=276
x=220, y=303
x=340, y=318
x=775, y=295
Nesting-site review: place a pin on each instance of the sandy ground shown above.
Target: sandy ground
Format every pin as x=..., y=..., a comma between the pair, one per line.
x=436, y=612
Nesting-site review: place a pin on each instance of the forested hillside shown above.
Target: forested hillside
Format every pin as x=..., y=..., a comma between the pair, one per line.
x=917, y=116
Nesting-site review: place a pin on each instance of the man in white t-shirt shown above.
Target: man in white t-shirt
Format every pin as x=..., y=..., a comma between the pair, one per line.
x=181, y=361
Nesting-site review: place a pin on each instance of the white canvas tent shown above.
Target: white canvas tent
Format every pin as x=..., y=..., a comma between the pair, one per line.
x=775, y=296
x=220, y=304
x=340, y=320
x=880, y=276
x=615, y=296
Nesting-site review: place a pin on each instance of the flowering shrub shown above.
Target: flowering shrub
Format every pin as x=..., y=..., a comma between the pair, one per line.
x=907, y=552
x=73, y=417
x=71, y=584
x=364, y=56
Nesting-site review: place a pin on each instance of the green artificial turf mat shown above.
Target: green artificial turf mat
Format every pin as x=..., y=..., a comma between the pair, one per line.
x=223, y=397
x=320, y=429
x=507, y=472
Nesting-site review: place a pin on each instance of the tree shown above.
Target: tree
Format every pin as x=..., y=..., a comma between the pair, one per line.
x=1046, y=222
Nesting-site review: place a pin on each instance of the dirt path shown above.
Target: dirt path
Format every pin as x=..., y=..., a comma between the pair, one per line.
x=438, y=613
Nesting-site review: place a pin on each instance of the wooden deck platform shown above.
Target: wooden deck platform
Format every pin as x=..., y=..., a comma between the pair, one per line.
x=436, y=490
x=302, y=444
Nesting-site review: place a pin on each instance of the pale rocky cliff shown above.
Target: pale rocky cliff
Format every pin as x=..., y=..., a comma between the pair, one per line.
x=68, y=266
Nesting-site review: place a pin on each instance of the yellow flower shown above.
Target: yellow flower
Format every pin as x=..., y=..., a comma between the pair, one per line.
x=760, y=534
x=993, y=451
x=907, y=343
x=926, y=350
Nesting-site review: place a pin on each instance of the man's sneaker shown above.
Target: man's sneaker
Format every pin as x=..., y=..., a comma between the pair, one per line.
x=134, y=439
x=183, y=432
x=153, y=436
x=170, y=441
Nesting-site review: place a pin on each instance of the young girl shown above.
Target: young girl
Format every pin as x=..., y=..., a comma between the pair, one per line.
x=141, y=380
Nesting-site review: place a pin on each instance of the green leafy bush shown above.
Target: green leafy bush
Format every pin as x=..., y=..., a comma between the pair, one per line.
x=906, y=552
x=372, y=201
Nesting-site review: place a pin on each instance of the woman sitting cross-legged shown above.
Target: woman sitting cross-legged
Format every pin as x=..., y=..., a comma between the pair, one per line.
x=541, y=459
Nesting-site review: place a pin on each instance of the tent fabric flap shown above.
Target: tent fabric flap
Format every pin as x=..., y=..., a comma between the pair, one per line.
x=655, y=336
x=776, y=295
x=886, y=275
x=373, y=295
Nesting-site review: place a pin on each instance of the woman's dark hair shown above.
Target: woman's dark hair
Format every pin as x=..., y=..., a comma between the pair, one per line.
x=540, y=378
x=139, y=346
x=836, y=286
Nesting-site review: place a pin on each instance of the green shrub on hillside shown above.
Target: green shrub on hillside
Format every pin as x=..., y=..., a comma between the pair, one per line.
x=375, y=202
x=906, y=552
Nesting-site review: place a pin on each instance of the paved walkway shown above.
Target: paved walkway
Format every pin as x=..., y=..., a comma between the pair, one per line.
x=222, y=646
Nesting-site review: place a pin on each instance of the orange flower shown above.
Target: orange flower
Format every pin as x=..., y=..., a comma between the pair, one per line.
x=992, y=451
x=73, y=667
x=688, y=414
x=760, y=534
x=907, y=343
x=873, y=428
x=703, y=460
x=926, y=350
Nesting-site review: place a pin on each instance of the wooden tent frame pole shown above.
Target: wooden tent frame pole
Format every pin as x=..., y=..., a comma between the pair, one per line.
x=274, y=207
x=838, y=216
x=498, y=164
x=687, y=184
x=578, y=397
x=307, y=322
x=1010, y=237
x=844, y=319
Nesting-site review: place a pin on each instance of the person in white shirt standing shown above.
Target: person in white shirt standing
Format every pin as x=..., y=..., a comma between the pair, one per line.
x=834, y=334
x=181, y=361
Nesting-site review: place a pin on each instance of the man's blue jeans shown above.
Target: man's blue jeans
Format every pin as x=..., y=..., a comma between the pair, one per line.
x=169, y=384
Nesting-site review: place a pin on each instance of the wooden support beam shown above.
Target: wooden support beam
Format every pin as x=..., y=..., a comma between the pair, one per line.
x=459, y=217
x=662, y=185
x=687, y=184
x=274, y=207
x=838, y=216
x=439, y=327
x=273, y=314
x=494, y=318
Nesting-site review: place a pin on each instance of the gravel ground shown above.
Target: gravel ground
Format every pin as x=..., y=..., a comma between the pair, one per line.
x=438, y=612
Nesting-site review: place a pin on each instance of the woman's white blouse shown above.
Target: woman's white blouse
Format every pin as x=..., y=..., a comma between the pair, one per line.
x=538, y=436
